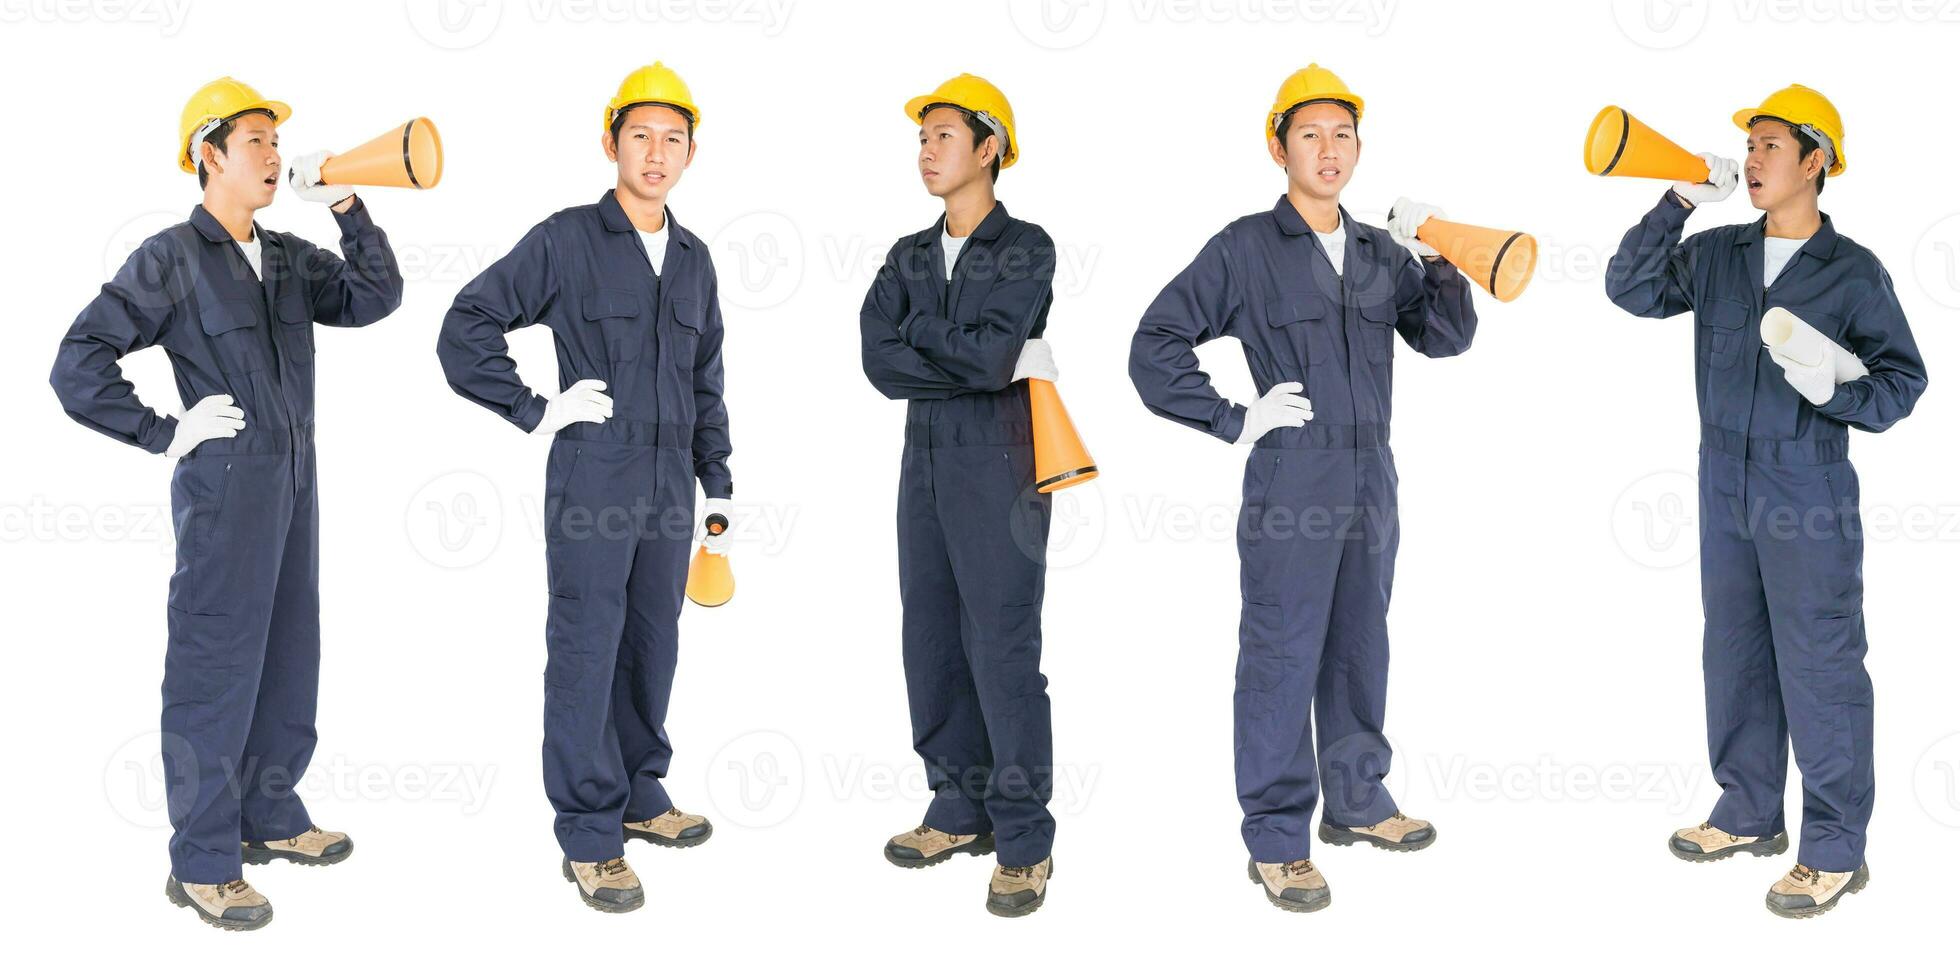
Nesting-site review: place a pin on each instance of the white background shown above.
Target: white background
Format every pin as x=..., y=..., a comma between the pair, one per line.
x=1546, y=690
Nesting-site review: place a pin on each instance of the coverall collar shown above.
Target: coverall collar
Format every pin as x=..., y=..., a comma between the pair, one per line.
x=989, y=229
x=614, y=218
x=1291, y=223
x=208, y=226
x=1820, y=245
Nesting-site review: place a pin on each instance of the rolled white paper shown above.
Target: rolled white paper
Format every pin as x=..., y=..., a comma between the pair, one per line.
x=1792, y=341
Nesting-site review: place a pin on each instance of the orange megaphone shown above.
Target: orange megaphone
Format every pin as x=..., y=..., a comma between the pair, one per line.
x=1619, y=145
x=409, y=155
x=710, y=580
x=1060, y=459
x=1500, y=261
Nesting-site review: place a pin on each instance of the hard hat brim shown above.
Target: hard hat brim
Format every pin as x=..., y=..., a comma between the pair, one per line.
x=280, y=113
x=1272, y=121
x=1742, y=121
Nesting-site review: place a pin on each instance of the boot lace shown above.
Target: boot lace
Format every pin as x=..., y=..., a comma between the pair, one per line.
x=1805, y=876
x=1299, y=869
x=612, y=868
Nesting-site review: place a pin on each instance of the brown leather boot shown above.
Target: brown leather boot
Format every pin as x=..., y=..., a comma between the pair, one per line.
x=314, y=847
x=1711, y=843
x=923, y=846
x=233, y=906
x=1015, y=892
x=609, y=886
x=1296, y=886
x=1805, y=892
x=1397, y=833
x=672, y=829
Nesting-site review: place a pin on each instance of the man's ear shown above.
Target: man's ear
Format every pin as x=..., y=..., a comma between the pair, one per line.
x=1278, y=151
x=990, y=141
x=1817, y=156
x=207, y=151
x=692, y=145
x=607, y=143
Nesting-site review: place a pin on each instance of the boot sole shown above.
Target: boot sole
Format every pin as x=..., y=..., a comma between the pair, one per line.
x=174, y=891
x=978, y=847
x=590, y=902
x=1762, y=848
x=1252, y=872
x=1343, y=837
x=1015, y=912
x=1859, y=879
x=251, y=854
x=653, y=838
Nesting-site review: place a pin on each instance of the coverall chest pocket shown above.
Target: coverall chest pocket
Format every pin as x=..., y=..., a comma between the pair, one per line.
x=227, y=324
x=1378, y=331
x=684, y=334
x=297, y=326
x=1722, y=339
x=1300, y=323
x=615, y=314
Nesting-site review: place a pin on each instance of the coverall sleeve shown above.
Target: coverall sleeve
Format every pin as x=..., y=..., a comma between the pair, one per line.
x=1651, y=274
x=894, y=368
x=1433, y=310
x=515, y=291
x=127, y=316
x=357, y=290
x=980, y=354
x=1203, y=303
x=711, y=445
x=1878, y=334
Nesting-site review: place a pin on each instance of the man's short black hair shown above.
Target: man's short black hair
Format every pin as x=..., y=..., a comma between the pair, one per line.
x=1804, y=145
x=217, y=137
x=1286, y=119
x=980, y=132
x=619, y=118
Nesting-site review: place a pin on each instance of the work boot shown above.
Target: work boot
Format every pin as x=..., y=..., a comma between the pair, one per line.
x=609, y=886
x=314, y=847
x=1296, y=886
x=233, y=906
x=1805, y=892
x=1711, y=843
x=1015, y=892
x=924, y=847
x=672, y=829
x=1397, y=833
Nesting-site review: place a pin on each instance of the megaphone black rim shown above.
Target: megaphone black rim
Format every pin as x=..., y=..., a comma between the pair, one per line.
x=408, y=161
x=1066, y=475
x=1498, y=263
x=1625, y=129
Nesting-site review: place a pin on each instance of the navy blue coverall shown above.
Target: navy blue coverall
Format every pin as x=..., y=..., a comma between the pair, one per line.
x=242, y=669
x=1318, y=529
x=619, y=495
x=1782, y=546
x=972, y=530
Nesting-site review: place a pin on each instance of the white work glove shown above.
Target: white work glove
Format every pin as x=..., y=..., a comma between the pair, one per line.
x=304, y=175
x=1281, y=407
x=584, y=401
x=1407, y=216
x=1037, y=360
x=1816, y=384
x=1722, y=173
x=213, y=417
x=718, y=544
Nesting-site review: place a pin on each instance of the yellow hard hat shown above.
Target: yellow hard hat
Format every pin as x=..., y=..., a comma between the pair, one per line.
x=974, y=94
x=1310, y=84
x=653, y=83
x=1802, y=106
x=216, y=102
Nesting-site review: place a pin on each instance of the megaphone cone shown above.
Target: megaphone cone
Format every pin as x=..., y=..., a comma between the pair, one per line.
x=1499, y=261
x=710, y=578
x=1619, y=145
x=410, y=155
x=1060, y=459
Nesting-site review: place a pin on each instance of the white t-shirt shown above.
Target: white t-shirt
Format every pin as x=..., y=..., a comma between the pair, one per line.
x=951, y=246
x=1334, y=243
x=252, y=250
x=656, y=243
x=1776, y=255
